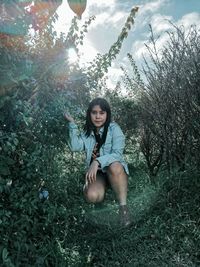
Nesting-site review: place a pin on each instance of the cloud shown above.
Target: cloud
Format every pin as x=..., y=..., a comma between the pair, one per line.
x=65, y=16
x=87, y=52
x=101, y=9
x=146, y=10
x=118, y=18
x=161, y=23
x=114, y=74
x=190, y=19
x=153, y=6
x=138, y=49
x=101, y=4
x=107, y=14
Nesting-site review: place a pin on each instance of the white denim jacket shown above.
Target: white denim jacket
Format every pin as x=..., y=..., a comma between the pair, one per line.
x=111, y=150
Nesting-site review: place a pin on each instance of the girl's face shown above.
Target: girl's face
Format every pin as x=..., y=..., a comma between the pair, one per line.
x=98, y=116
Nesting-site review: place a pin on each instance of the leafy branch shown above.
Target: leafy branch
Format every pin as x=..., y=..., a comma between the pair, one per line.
x=100, y=65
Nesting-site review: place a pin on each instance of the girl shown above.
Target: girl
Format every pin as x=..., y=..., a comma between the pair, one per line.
x=103, y=142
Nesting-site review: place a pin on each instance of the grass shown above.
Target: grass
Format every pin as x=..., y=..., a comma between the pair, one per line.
x=165, y=230
x=68, y=232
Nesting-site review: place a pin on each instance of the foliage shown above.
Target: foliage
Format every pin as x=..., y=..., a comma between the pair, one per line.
x=63, y=230
x=33, y=144
x=169, y=101
x=101, y=63
x=38, y=87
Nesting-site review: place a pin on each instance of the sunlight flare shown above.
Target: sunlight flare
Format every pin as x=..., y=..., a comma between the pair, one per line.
x=72, y=56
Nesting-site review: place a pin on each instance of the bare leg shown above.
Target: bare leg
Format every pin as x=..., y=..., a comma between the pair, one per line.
x=118, y=180
x=94, y=192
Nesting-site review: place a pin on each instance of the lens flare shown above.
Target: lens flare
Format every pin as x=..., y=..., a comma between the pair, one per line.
x=72, y=55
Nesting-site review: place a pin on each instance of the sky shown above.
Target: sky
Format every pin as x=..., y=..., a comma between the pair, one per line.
x=110, y=18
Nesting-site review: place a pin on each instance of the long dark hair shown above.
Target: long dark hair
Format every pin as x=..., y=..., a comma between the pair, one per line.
x=89, y=126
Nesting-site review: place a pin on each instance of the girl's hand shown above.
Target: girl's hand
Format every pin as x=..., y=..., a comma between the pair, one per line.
x=68, y=117
x=91, y=174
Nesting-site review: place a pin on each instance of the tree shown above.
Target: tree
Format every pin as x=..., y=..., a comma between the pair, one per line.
x=170, y=99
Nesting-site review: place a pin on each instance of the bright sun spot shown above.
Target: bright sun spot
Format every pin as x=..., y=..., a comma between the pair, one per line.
x=72, y=55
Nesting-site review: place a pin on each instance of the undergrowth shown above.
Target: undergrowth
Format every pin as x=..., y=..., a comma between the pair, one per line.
x=66, y=231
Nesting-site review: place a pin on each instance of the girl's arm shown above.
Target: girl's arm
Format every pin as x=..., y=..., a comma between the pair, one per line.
x=75, y=141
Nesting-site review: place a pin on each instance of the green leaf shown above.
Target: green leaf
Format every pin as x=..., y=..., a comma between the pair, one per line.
x=4, y=161
x=4, y=170
x=4, y=254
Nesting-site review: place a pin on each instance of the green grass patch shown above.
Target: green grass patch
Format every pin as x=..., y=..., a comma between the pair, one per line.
x=67, y=231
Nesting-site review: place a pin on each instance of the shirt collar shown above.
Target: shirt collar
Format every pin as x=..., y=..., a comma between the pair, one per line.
x=100, y=131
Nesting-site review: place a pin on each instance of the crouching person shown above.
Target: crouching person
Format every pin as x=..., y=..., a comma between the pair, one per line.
x=103, y=141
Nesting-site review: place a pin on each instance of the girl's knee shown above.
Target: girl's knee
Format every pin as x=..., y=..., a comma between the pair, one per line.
x=93, y=196
x=115, y=168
